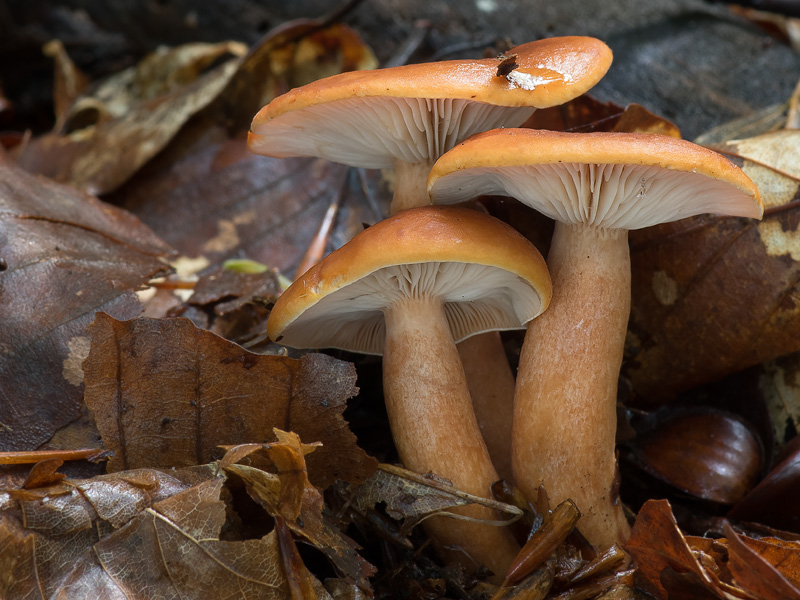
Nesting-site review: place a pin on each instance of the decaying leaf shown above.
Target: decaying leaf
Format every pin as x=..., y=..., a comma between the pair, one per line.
x=656, y=545
x=133, y=116
x=289, y=495
x=780, y=383
x=735, y=567
x=69, y=82
x=754, y=566
x=63, y=256
x=47, y=535
x=165, y=393
x=711, y=295
x=227, y=290
x=585, y=113
x=412, y=497
x=263, y=208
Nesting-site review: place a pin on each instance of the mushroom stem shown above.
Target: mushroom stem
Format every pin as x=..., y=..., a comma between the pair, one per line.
x=491, y=386
x=410, y=185
x=565, y=401
x=435, y=431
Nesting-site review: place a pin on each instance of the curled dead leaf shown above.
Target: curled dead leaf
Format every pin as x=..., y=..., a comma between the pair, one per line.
x=736, y=303
x=63, y=256
x=173, y=402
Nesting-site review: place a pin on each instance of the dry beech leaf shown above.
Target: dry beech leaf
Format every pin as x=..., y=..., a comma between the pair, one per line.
x=47, y=535
x=228, y=290
x=637, y=119
x=132, y=116
x=161, y=556
x=780, y=383
x=165, y=393
x=63, y=256
x=290, y=496
x=767, y=570
x=658, y=547
x=69, y=82
x=585, y=113
x=711, y=295
x=291, y=55
x=266, y=209
x=413, y=497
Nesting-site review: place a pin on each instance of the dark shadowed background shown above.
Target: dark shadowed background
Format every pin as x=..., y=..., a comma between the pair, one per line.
x=695, y=62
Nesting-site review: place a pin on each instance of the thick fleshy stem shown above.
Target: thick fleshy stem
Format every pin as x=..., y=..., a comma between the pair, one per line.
x=565, y=402
x=410, y=189
x=489, y=376
x=491, y=386
x=435, y=430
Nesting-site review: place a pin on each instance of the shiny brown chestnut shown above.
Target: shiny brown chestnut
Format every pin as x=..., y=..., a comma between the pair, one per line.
x=708, y=453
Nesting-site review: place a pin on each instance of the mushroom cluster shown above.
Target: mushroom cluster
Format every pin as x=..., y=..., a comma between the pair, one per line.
x=406, y=117
x=413, y=286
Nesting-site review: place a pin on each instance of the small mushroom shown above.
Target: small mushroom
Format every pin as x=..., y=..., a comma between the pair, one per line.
x=596, y=186
x=410, y=287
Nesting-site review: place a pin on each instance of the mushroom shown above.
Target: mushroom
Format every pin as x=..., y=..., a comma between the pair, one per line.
x=410, y=287
x=406, y=117
x=596, y=186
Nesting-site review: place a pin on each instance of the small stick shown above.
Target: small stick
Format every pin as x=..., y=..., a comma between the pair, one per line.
x=316, y=249
x=34, y=456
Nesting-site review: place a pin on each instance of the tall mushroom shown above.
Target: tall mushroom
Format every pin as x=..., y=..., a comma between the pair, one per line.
x=410, y=287
x=406, y=117
x=596, y=186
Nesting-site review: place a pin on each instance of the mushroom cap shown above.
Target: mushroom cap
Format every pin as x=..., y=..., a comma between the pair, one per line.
x=488, y=276
x=608, y=180
x=415, y=113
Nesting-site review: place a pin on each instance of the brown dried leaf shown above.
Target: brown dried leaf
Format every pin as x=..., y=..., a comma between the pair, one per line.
x=413, y=497
x=228, y=290
x=657, y=546
x=543, y=542
x=69, y=82
x=173, y=550
x=754, y=563
x=736, y=303
x=291, y=55
x=63, y=256
x=263, y=208
x=301, y=508
x=47, y=535
x=583, y=113
x=780, y=384
x=166, y=393
x=637, y=119
x=133, y=116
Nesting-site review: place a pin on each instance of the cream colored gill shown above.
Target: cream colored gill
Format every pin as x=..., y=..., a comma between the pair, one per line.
x=372, y=132
x=475, y=298
x=613, y=196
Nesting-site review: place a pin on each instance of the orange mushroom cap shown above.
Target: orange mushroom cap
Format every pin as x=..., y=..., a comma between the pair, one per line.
x=416, y=112
x=488, y=276
x=610, y=180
